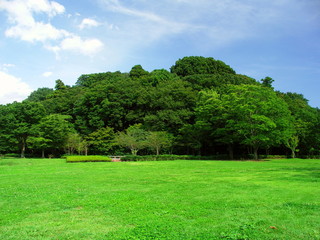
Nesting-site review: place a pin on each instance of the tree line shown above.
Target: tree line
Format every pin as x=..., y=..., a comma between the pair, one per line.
x=200, y=107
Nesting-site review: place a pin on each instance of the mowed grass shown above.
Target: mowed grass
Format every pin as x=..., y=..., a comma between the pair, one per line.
x=50, y=199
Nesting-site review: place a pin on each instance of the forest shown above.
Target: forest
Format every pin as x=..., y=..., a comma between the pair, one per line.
x=201, y=106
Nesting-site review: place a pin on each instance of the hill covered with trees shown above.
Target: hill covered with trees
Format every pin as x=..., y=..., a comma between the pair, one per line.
x=200, y=107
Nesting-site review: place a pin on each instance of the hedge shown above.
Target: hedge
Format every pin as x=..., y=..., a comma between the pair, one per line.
x=91, y=158
x=171, y=157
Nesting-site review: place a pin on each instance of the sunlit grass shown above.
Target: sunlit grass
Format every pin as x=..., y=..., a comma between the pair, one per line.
x=50, y=199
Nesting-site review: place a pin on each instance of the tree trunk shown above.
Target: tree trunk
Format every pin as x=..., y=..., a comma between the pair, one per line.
x=230, y=151
x=134, y=152
x=255, y=152
x=42, y=155
x=23, y=147
x=293, y=153
x=157, y=149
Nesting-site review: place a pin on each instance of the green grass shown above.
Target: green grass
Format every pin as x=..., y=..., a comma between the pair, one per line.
x=91, y=158
x=49, y=199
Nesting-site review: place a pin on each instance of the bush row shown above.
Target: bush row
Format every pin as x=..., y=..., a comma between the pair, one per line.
x=171, y=157
x=92, y=158
x=273, y=156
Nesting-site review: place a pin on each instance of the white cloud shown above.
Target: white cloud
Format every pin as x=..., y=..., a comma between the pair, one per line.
x=77, y=44
x=52, y=8
x=88, y=23
x=37, y=32
x=25, y=27
x=47, y=74
x=21, y=11
x=12, y=89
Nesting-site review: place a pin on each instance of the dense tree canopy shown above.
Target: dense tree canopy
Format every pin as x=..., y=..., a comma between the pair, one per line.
x=200, y=106
x=250, y=114
x=200, y=65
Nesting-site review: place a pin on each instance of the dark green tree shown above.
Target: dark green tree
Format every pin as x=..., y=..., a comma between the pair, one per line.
x=55, y=128
x=267, y=82
x=138, y=73
x=40, y=94
x=200, y=65
x=25, y=115
x=101, y=141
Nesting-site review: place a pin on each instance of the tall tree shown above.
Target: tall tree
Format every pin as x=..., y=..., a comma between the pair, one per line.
x=26, y=114
x=267, y=82
x=306, y=122
x=200, y=65
x=40, y=94
x=138, y=73
x=255, y=115
x=55, y=128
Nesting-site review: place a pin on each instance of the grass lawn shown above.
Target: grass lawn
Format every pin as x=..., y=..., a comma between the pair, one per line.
x=50, y=199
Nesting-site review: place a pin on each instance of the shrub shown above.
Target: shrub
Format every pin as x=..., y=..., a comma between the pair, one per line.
x=92, y=158
x=273, y=156
x=171, y=157
x=11, y=155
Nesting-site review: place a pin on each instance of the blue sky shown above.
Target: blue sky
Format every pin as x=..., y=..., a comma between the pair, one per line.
x=42, y=41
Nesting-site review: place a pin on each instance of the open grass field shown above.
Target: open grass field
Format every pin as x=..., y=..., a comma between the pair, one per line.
x=51, y=199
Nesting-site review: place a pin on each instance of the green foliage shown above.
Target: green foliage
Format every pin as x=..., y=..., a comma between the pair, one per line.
x=91, y=158
x=101, y=141
x=138, y=73
x=306, y=121
x=60, y=85
x=200, y=65
x=267, y=82
x=209, y=123
x=19, y=121
x=75, y=143
x=250, y=114
x=292, y=143
x=207, y=81
x=134, y=138
x=39, y=143
x=40, y=94
x=90, y=80
x=159, y=140
x=169, y=106
x=171, y=157
x=54, y=129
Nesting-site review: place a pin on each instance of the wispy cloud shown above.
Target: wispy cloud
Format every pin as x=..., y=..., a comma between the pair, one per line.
x=6, y=66
x=218, y=22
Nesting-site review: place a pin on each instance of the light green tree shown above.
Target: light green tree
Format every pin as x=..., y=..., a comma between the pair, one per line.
x=159, y=140
x=133, y=138
x=253, y=115
x=292, y=143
